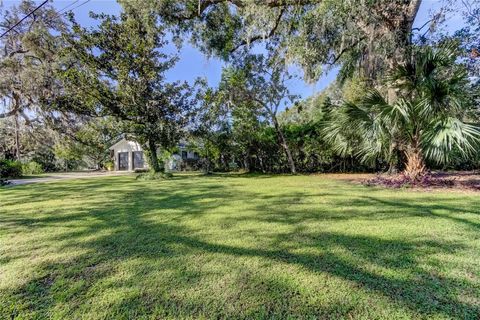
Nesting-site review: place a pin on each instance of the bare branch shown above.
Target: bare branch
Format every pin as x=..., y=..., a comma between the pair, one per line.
x=343, y=51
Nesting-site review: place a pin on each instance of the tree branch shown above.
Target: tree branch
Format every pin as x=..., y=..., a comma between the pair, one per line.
x=8, y=114
x=19, y=51
x=423, y=26
x=260, y=37
x=343, y=51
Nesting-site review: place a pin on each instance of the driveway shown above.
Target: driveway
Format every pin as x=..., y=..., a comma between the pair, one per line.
x=65, y=176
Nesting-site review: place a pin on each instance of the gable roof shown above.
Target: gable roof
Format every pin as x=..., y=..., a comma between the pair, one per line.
x=123, y=140
x=182, y=144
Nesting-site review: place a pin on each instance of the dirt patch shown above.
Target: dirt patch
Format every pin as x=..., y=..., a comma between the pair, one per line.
x=465, y=180
x=455, y=180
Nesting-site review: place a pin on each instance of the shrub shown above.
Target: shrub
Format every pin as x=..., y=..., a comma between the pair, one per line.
x=154, y=176
x=10, y=169
x=109, y=165
x=32, y=167
x=233, y=166
x=190, y=165
x=46, y=158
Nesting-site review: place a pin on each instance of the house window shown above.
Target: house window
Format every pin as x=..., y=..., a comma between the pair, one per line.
x=137, y=157
x=196, y=155
x=184, y=155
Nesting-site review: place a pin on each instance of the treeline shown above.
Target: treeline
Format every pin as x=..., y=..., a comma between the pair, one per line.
x=406, y=98
x=249, y=144
x=260, y=153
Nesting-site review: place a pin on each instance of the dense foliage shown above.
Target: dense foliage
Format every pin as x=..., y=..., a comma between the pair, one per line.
x=259, y=86
x=32, y=168
x=315, y=34
x=244, y=139
x=10, y=169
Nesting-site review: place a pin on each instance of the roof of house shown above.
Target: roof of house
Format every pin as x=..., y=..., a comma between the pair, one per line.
x=123, y=140
x=182, y=144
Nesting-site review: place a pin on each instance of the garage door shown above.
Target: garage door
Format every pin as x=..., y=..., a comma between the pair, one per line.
x=123, y=161
x=138, y=160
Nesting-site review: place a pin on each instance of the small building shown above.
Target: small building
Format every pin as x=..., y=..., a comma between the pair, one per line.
x=128, y=155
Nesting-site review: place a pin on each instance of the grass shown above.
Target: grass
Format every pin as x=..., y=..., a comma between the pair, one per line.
x=237, y=247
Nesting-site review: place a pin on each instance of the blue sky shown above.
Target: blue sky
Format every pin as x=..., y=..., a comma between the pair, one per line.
x=194, y=64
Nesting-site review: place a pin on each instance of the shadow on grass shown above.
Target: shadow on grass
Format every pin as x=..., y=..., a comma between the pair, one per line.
x=125, y=228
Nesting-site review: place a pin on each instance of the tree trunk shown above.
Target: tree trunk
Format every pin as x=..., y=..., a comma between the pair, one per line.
x=401, y=27
x=152, y=149
x=207, y=161
x=283, y=144
x=262, y=165
x=16, y=108
x=246, y=162
x=415, y=167
x=17, y=138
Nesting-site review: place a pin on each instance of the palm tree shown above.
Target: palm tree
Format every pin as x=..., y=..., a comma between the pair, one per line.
x=425, y=122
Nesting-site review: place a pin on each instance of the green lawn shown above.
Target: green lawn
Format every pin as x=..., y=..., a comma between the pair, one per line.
x=237, y=247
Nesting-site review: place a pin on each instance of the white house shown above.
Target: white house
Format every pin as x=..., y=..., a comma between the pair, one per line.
x=128, y=155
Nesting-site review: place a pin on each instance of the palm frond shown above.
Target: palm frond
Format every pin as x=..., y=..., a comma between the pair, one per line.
x=445, y=135
x=399, y=112
x=373, y=101
x=360, y=128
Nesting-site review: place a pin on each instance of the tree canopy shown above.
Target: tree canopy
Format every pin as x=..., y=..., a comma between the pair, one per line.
x=118, y=69
x=314, y=33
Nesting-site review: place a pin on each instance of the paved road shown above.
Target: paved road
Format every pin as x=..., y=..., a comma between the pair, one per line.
x=64, y=176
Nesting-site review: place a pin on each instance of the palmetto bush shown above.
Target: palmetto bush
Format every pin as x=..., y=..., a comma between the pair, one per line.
x=428, y=119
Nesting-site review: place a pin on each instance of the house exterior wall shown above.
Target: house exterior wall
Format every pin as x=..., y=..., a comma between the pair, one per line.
x=129, y=147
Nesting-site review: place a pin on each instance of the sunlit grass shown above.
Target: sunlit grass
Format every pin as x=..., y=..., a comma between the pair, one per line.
x=237, y=247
